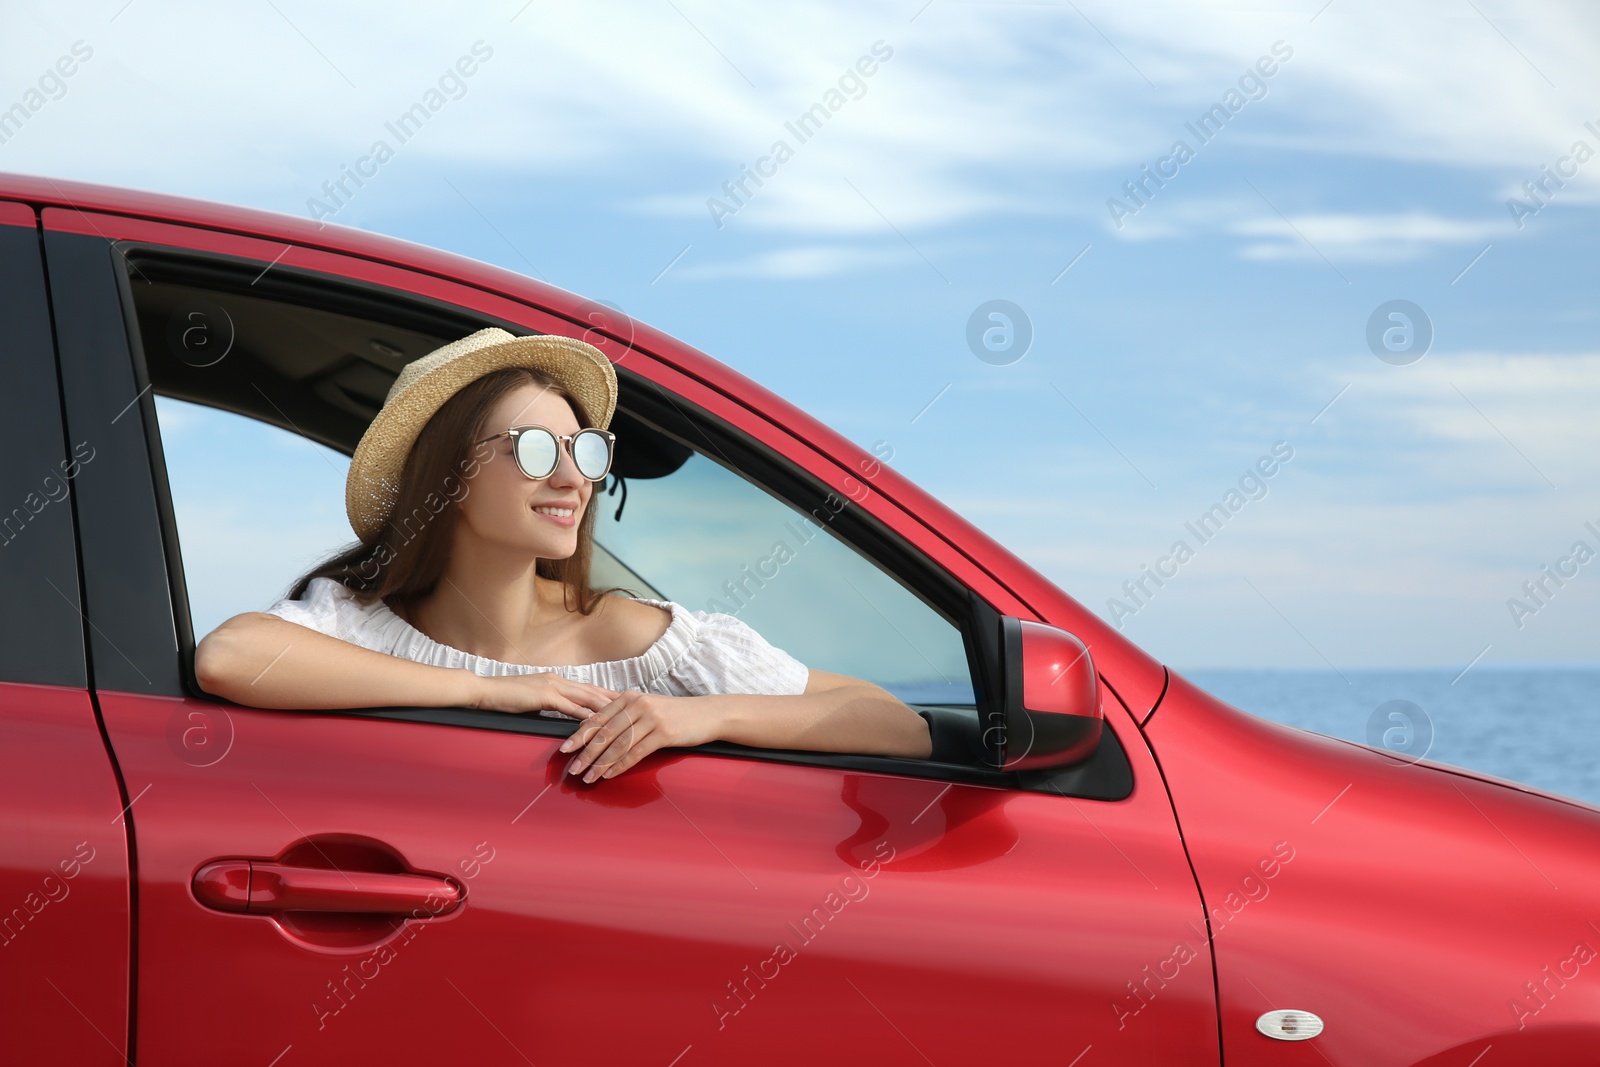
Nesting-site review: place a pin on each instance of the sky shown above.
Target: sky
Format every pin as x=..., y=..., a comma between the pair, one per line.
x=1200, y=218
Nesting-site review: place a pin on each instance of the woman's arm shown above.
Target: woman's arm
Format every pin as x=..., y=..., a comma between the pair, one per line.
x=263, y=661
x=267, y=662
x=836, y=713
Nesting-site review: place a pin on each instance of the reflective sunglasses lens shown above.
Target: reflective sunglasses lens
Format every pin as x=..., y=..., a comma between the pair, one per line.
x=536, y=453
x=591, y=450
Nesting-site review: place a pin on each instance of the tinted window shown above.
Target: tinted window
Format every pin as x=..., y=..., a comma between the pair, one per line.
x=709, y=539
x=41, y=631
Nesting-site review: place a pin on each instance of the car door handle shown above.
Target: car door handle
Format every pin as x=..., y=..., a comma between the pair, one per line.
x=262, y=888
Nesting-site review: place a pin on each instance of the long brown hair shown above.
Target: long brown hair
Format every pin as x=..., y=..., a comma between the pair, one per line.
x=404, y=564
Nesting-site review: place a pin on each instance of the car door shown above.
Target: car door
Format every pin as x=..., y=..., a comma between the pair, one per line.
x=64, y=892
x=420, y=883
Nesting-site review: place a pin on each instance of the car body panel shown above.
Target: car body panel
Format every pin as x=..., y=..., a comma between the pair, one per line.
x=661, y=896
x=65, y=909
x=64, y=883
x=1419, y=911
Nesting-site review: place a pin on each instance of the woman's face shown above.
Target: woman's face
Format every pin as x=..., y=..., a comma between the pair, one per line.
x=502, y=505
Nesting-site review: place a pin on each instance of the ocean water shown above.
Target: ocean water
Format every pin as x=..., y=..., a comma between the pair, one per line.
x=1540, y=726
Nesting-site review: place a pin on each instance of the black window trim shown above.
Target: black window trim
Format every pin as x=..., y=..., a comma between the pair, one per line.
x=1106, y=775
x=39, y=566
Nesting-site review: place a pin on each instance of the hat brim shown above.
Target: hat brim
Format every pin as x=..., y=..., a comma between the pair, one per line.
x=373, y=482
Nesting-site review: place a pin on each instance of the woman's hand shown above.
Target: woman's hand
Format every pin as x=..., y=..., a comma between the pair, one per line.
x=628, y=729
x=540, y=691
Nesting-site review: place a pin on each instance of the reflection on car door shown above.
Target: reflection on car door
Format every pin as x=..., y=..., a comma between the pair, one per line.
x=340, y=887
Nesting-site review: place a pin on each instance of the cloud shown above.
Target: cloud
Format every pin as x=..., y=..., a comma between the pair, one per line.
x=800, y=262
x=1508, y=419
x=1352, y=236
x=1048, y=96
x=1368, y=236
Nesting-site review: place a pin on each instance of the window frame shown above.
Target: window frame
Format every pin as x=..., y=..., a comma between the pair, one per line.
x=1106, y=775
x=44, y=644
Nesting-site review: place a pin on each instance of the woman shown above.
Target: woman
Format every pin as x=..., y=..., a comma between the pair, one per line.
x=470, y=494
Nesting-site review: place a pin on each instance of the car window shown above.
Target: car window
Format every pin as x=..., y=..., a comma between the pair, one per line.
x=257, y=505
x=712, y=541
x=263, y=383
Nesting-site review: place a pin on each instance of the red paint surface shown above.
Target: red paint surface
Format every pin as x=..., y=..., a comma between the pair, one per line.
x=14, y=214
x=64, y=908
x=1417, y=904
x=915, y=914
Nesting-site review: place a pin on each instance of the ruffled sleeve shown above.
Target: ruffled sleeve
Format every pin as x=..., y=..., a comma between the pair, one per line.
x=728, y=656
x=328, y=607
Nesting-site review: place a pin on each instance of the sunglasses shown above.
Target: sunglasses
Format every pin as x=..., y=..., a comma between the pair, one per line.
x=538, y=450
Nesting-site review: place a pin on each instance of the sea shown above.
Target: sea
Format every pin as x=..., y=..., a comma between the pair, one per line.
x=1535, y=725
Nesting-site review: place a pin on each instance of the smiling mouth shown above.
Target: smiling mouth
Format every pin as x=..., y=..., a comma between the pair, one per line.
x=564, y=517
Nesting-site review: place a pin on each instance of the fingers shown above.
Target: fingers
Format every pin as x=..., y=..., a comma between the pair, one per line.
x=590, y=696
x=636, y=752
x=633, y=745
x=573, y=710
x=584, y=732
x=601, y=715
x=616, y=737
x=542, y=691
x=607, y=737
x=615, y=725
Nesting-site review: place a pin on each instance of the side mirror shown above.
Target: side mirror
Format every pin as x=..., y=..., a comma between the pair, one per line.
x=1050, y=698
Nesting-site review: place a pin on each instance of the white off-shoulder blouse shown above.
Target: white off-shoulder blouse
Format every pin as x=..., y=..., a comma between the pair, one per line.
x=700, y=654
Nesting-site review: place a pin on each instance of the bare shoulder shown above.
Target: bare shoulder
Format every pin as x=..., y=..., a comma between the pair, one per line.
x=622, y=628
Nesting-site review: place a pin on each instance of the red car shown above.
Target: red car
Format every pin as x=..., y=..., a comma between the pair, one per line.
x=1099, y=864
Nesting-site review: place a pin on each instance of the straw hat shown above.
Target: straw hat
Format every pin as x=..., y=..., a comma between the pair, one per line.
x=425, y=384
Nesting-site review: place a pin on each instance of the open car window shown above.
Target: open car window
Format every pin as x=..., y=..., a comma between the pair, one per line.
x=263, y=388
x=256, y=506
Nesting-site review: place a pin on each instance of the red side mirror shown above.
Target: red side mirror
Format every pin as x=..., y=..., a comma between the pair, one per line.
x=1051, y=699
